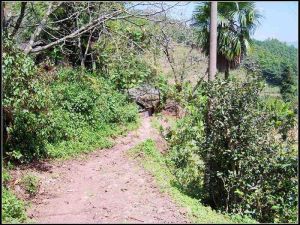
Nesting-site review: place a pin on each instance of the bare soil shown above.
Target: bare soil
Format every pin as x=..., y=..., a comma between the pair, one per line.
x=104, y=187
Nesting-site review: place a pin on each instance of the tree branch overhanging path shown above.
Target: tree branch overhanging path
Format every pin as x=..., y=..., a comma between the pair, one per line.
x=94, y=24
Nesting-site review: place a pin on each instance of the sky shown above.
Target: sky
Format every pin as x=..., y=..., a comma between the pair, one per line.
x=280, y=19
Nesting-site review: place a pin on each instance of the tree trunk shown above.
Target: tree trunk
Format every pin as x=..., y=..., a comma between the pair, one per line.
x=227, y=70
x=211, y=77
x=80, y=54
x=213, y=42
x=93, y=62
x=20, y=18
x=2, y=14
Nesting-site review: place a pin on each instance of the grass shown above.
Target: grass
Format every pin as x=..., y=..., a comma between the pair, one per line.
x=271, y=90
x=89, y=141
x=153, y=161
x=155, y=123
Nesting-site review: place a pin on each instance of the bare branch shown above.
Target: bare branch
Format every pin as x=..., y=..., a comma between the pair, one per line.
x=82, y=30
x=20, y=18
x=39, y=28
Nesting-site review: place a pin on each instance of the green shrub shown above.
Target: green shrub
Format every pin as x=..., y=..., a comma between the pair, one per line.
x=45, y=112
x=30, y=184
x=283, y=115
x=288, y=87
x=5, y=177
x=87, y=111
x=161, y=83
x=155, y=162
x=184, y=156
x=13, y=209
x=227, y=153
x=26, y=101
x=90, y=98
x=129, y=73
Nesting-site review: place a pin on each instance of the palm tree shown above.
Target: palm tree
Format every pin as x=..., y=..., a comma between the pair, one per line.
x=237, y=21
x=213, y=41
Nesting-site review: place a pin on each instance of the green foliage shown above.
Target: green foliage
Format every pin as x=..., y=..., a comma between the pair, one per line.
x=283, y=116
x=90, y=98
x=233, y=41
x=26, y=100
x=229, y=154
x=69, y=106
x=288, y=86
x=154, y=162
x=5, y=177
x=88, y=111
x=121, y=58
x=129, y=73
x=30, y=184
x=161, y=83
x=271, y=55
x=13, y=209
x=188, y=167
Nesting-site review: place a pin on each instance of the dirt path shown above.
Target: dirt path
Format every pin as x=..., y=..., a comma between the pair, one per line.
x=106, y=187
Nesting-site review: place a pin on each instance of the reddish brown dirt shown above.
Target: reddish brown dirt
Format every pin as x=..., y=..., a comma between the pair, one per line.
x=105, y=187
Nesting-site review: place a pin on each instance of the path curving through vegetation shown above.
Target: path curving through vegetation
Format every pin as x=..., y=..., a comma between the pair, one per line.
x=104, y=187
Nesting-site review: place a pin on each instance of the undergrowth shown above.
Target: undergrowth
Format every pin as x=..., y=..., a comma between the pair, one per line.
x=30, y=184
x=13, y=208
x=89, y=141
x=154, y=162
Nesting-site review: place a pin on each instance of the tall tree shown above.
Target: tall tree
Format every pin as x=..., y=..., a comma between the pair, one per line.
x=213, y=41
x=211, y=77
x=236, y=21
x=288, y=86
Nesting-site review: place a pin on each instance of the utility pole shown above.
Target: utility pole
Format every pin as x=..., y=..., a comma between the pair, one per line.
x=213, y=42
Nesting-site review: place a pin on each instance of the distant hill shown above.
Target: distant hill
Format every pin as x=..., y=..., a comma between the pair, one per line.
x=271, y=55
x=295, y=44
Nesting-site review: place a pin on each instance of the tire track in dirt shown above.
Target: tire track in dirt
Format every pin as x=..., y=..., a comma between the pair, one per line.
x=105, y=187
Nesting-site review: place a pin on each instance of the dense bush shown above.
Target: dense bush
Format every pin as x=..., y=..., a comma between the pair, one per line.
x=13, y=209
x=26, y=103
x=30, y=184
x=130, y=72
x=91, y=98
x=227, y=152
x=283, y=115
x=288, y=88
x=121, y=60
x=49, y=108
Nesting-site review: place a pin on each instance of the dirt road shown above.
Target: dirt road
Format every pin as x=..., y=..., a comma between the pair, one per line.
x=105, y=187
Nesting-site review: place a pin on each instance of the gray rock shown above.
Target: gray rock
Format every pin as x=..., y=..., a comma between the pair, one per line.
x=145, y=96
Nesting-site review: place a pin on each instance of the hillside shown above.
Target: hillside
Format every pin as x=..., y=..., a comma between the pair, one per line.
x=111, y=115
x=270, y=55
